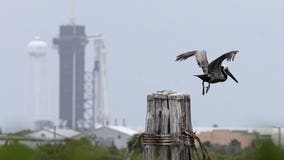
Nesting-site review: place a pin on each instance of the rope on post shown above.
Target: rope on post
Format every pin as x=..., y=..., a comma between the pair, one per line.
x=185, y=137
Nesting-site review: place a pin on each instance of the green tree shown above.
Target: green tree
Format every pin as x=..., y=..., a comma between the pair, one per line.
x=76, y=150
x=16, y=151
x=79, y=149
x=49, y=151
x=207, y=144
x=267, y=150
x=234, y=146
x=135, y=146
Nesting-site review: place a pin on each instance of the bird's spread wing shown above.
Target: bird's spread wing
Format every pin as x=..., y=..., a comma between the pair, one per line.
x=200, y=56
x=215, y=66
x=185, y=55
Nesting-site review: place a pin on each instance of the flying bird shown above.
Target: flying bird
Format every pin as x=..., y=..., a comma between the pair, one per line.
x=213, y=72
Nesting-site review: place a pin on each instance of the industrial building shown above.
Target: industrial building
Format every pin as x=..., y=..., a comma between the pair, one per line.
x=82, y=102
x=71, y=48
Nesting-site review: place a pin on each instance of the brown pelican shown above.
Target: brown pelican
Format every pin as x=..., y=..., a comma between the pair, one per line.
x=213, y=72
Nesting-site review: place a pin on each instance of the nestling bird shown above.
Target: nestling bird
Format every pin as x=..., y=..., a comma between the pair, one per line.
x=214, y=72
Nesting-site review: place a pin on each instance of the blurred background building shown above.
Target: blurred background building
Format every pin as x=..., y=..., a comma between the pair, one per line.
x=71, y=48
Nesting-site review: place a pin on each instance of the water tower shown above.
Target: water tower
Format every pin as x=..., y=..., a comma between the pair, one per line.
x=37, y=50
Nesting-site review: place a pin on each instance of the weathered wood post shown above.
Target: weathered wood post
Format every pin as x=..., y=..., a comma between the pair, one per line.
x=167, y=114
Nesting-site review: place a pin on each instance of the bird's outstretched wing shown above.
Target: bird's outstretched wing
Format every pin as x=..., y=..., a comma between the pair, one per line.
x=200, y=56
x=185, y=55
x=215, y=66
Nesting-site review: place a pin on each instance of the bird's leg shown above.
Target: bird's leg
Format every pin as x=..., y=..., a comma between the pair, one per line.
x=203, y=88
x=207, y=88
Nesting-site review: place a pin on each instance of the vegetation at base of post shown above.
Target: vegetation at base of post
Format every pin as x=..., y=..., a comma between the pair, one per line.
x=135, y=147
x=261, y=149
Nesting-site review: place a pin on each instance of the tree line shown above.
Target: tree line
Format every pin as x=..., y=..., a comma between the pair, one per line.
x=83, y=149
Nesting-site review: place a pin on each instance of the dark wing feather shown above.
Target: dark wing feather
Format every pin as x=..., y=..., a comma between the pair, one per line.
x=215, y=66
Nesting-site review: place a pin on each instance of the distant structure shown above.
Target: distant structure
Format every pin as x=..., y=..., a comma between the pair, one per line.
x=111, y=136
x=223, y=137
x=71, y=48
x=89, y=108
x=82, y=95
x=100, y=83
x=95, y=109
x=37, y=50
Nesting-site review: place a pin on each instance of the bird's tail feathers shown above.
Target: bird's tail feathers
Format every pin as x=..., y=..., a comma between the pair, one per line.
x=204, y=77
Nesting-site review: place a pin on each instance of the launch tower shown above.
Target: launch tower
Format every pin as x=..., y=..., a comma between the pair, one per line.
x=71, y=48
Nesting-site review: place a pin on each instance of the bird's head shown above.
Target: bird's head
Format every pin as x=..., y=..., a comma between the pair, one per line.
x=227, y=71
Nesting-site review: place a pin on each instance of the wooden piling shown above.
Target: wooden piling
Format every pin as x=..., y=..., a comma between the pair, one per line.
x=167, y=114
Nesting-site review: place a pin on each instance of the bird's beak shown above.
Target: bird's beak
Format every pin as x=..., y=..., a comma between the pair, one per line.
x=231, y=75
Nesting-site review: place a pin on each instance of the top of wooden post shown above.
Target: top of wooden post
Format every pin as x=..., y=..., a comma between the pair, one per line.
x=168, y=94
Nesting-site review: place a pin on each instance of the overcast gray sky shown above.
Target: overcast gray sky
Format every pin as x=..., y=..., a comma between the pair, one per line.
x=143, y=38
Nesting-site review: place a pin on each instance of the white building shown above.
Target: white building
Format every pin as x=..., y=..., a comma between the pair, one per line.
x=52, y=134
x=41, y=136
x=112, y=136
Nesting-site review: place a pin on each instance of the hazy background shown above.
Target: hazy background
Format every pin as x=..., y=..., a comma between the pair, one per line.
x=142, y=39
